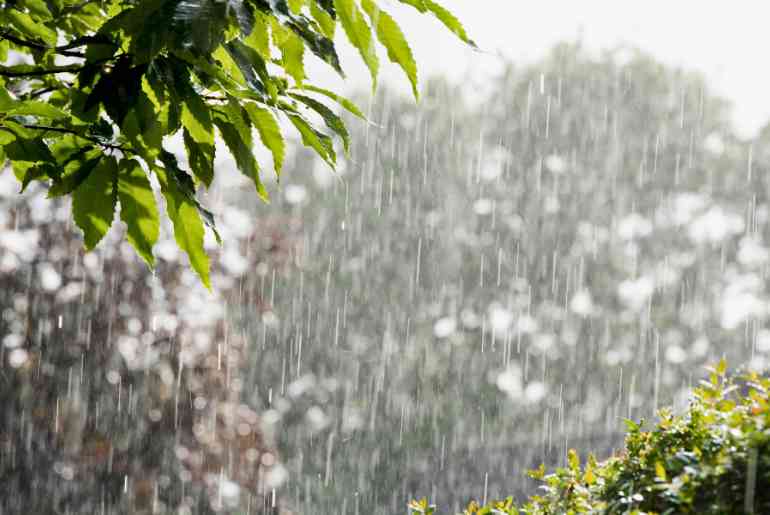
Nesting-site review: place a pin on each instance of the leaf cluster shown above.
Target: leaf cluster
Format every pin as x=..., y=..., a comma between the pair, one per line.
x=91, y=92
x=713, y=459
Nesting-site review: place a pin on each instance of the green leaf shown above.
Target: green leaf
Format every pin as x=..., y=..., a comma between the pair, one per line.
x=359, y=34
x=24, y=23
x=239, y=144
x=6, y=136
x=319, y=142
x=259, y=39
x=196, y=118
x=71, y=181
x=35, y=108
x=186, y=185
x=7, y=102
x=391, y=36
x=449, y=20
x=200, y=156
x=269, y=133
x=293, y=51
x=28, y=149
x=332, y=121
x=296, y=5
x=188, y=226
x=27, y=172
x=142, y=128
x=137, y=209
x=93, y=202
x=323, y=18
x=344, y=102
x=38, y=9
x=721, y=367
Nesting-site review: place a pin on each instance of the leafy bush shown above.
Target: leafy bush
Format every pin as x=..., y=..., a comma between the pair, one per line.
x=714, y=458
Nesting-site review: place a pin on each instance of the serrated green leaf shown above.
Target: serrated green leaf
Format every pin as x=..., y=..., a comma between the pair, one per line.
x=7, y=102
x=93, y=202
x=392, y=38
x=240, y=148
x=259, y=39
x=6, y=136
x=449, y=20
x=188, y=226
x=359, y=34
x=293, y=52
x=331, y=120
x=269, y=133
x=35, y=108
x=24, y=23
x=72, y=180
x=200, y=156
x=27, y=172
x=323, y=18
x=28, y=149
x=196, y=118
x=142, y=128
x=38, y=9
x=321, y=143
x=137, y=209
x=349, y=105
x=296, y=5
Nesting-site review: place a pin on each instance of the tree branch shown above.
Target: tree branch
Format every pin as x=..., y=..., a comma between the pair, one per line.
x=38, y=46
x=9, y=71
x=49, y=89
x=64, y=130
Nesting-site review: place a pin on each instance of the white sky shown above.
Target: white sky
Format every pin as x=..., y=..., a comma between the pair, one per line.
x=728, y=42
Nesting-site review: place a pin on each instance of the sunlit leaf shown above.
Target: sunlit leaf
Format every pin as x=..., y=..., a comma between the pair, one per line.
x=391, y=36
x=93, y=201
x=269, y=133
x=188, y=226
x=137, y=209
x=359, y=34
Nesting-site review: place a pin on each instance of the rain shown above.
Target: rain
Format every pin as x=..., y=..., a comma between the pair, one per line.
x=482, y=285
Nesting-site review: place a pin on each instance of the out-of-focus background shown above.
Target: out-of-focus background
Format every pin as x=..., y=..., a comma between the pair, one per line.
x=560, y=235
x=725, y=43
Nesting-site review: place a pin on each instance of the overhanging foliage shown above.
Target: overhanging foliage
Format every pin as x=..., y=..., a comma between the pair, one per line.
x=96, y=87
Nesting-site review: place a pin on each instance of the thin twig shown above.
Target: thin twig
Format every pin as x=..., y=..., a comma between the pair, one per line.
x=9, y=72
x=49, y=89
x=75, y=133
x=38, y=46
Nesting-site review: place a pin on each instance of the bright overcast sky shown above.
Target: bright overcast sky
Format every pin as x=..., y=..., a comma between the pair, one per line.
x=728, y=42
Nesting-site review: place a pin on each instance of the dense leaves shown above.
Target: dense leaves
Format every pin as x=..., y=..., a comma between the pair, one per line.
x=715, y=458
x=85, y=86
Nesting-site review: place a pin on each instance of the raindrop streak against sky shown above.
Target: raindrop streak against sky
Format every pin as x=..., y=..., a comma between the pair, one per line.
x=726, y=44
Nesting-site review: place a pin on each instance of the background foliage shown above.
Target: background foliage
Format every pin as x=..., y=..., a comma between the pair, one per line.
x=503, y=276
x=713, y=459
x=91, y=91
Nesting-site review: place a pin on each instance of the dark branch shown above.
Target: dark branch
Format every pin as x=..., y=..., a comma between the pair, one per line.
x=38, y=46
x=6, y=71
x=79, y=135
x=49, y=89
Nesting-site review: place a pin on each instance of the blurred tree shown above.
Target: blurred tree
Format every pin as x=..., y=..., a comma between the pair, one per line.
x=503, y=272
x=97, y=87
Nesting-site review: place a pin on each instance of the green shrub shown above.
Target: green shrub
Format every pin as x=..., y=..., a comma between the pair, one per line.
x=713, y=459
